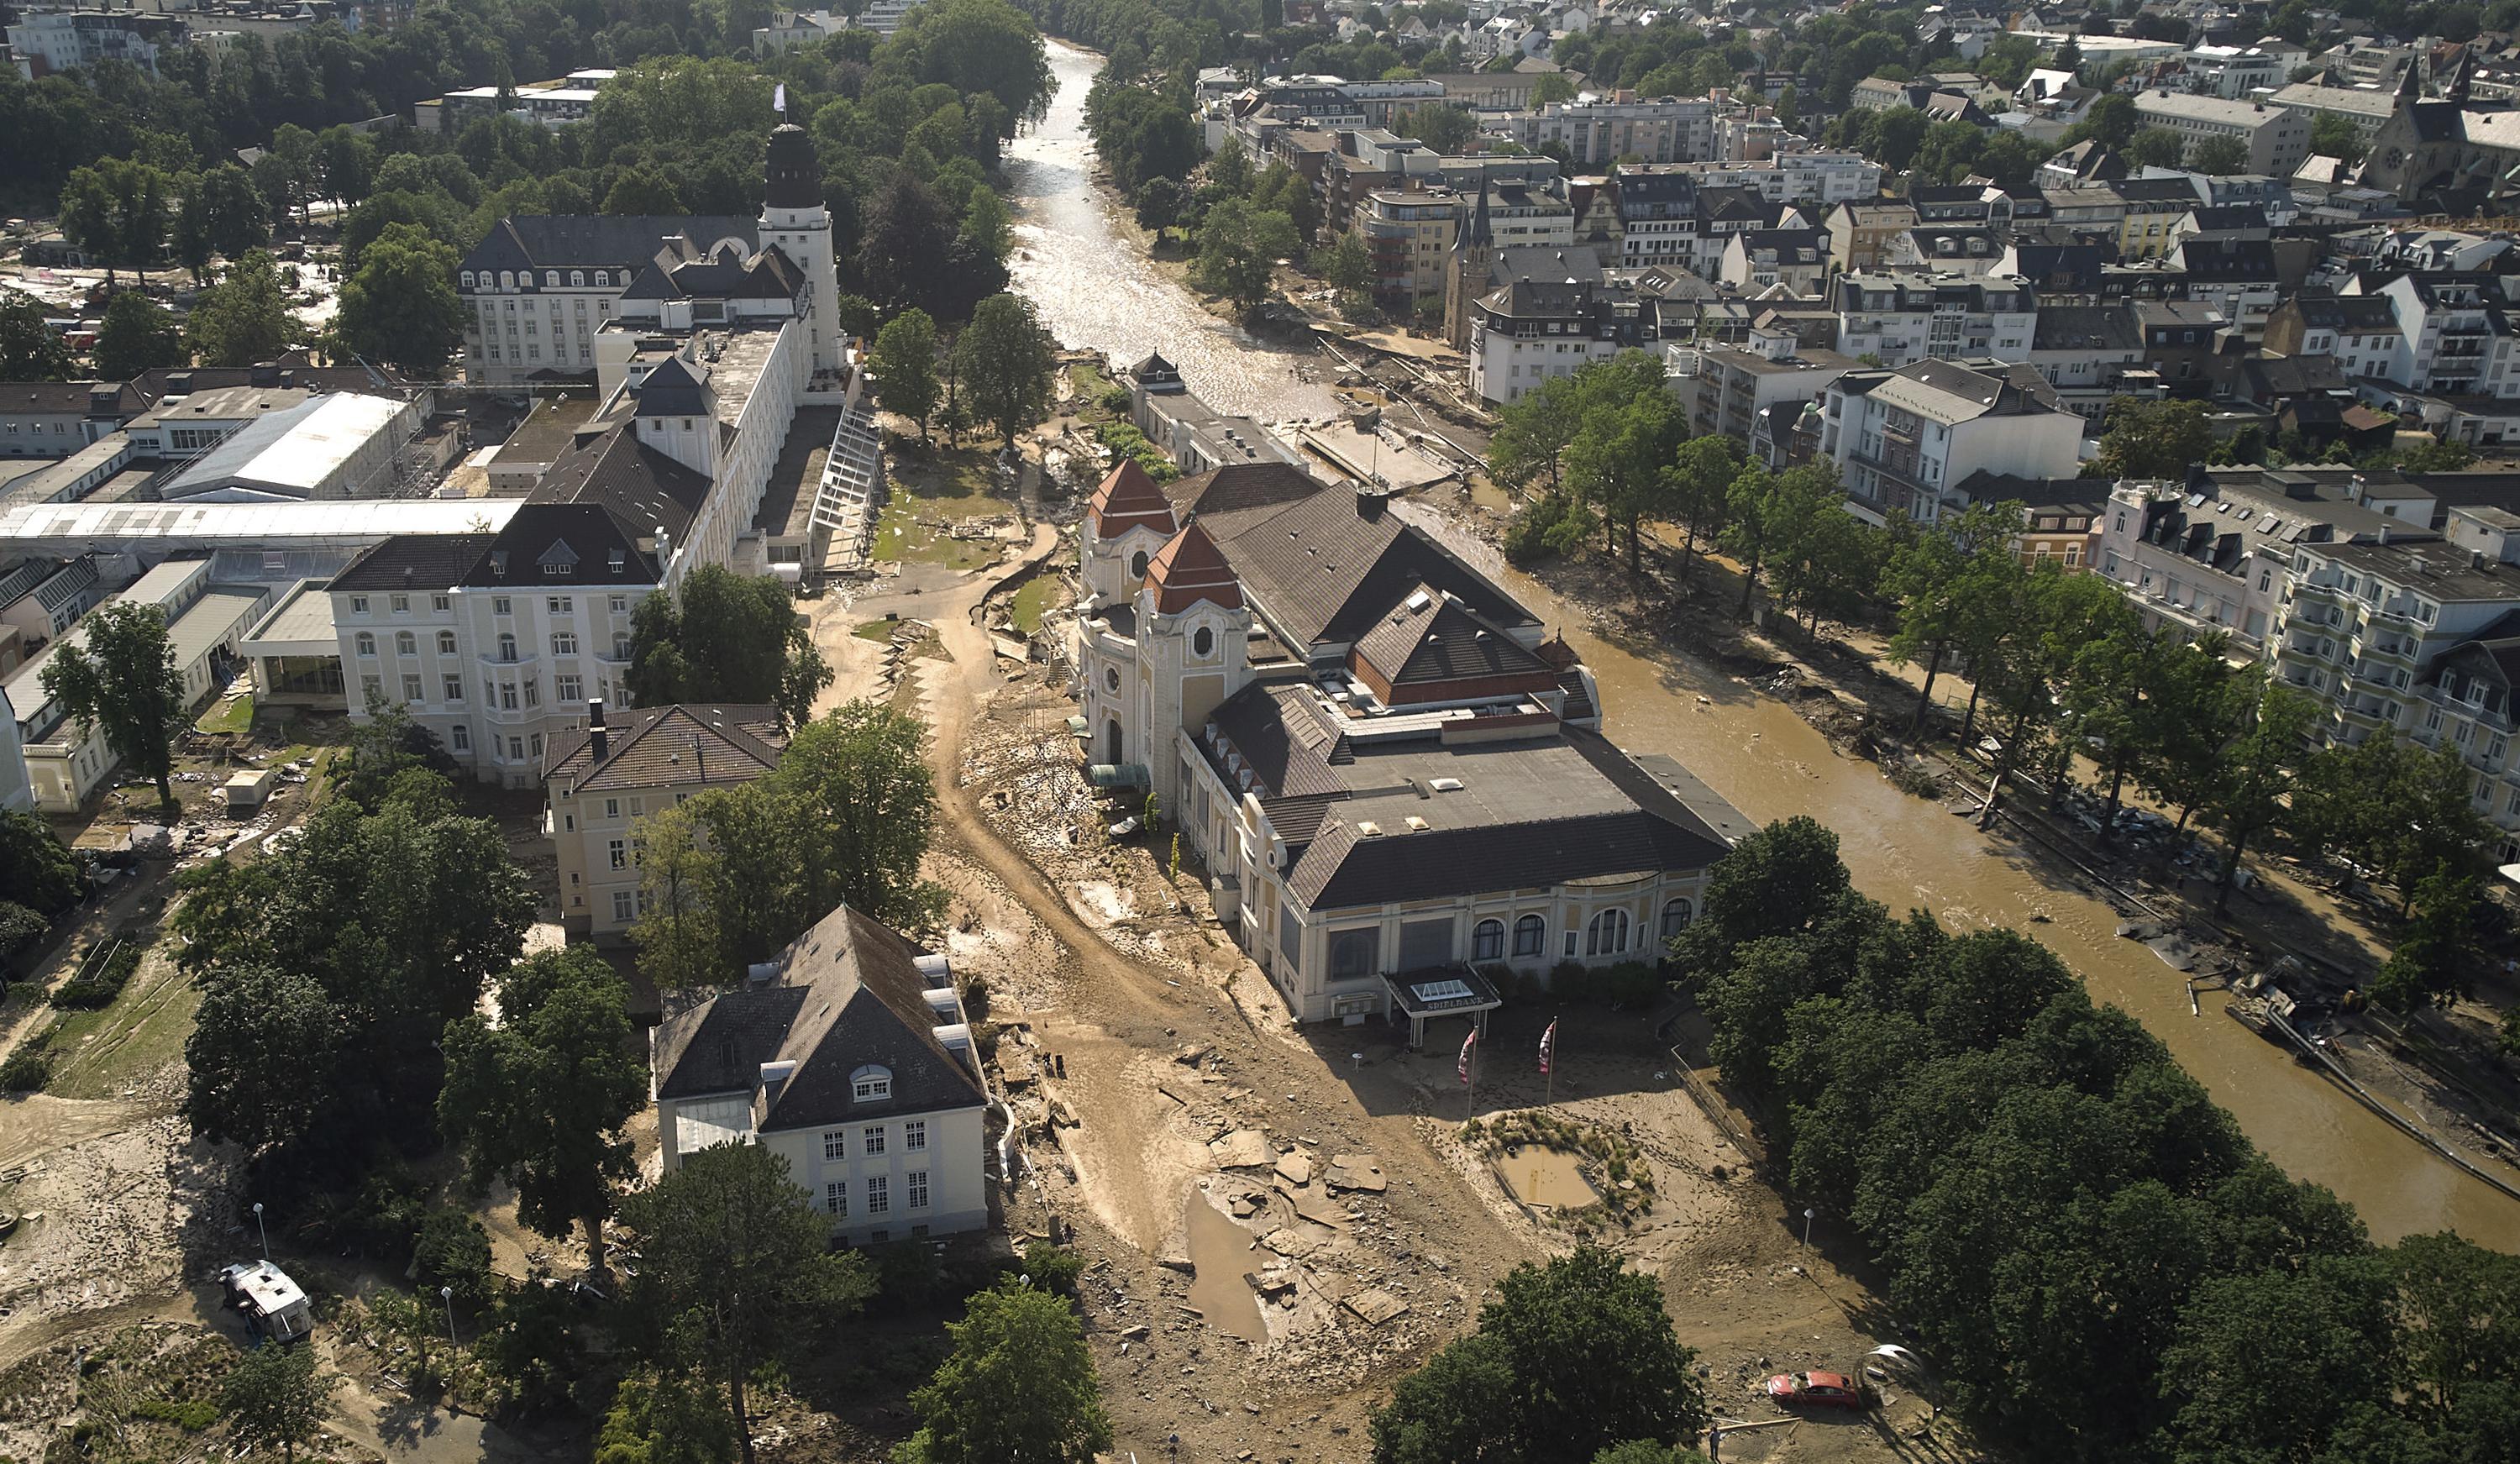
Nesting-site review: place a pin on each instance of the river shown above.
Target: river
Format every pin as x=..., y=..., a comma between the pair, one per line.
x=1095, y=289
x=1082, y=266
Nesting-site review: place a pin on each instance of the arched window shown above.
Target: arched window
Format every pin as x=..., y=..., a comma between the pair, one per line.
x=870, y=1083
x=1607, y=935
x=1487, y=940
x=577, y=278
x=507, y=647
x=551, y=277
x=367, y=643
x=468, y=279
x=603, y=277
x=1675, y=918
x=1203, y=642
x=1530, y=935
x=446, y=643
x=406, y=644
x=1138, y=565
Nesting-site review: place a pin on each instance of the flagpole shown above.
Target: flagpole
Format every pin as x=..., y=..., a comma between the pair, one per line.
x=1551, y=1075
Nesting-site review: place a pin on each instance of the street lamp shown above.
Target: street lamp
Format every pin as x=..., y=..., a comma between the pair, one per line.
x=1808, y=1212
x=259, y=1230
x=446, y=1294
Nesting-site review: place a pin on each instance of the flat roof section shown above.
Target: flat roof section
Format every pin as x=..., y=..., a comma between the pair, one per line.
x=65, y=529
x=301, y=625
x=218, y=614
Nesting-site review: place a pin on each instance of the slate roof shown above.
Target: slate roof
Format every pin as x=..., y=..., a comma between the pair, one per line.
x=1430, y=640
x=1321, y=564
x=405, y=562
x=1619, y=822
x=45, y=396
x=671, y=746
x=2085, y=328
x=641, y=486
x=677, y=387
x=622, y=241
x=848, y=995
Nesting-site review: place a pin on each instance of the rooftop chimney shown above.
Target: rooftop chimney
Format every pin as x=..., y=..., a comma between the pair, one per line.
x=602, y=744
x=1369, y=503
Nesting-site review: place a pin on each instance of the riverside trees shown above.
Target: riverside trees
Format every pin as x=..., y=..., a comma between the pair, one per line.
x=2096, y=1260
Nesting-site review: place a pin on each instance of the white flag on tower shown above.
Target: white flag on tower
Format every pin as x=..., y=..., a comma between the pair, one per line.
x=779, y=99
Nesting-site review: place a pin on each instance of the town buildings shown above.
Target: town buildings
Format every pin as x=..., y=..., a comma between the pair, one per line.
x=1396, y=777
x=2277, y=138
x=1909, y=316
x=1906, y=439
x=849, y=1055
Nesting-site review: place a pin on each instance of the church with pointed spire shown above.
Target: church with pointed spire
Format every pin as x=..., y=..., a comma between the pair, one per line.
x=2446, y=154
x=1392, y=774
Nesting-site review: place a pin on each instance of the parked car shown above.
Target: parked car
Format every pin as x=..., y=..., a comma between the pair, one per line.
x=1818, y=1389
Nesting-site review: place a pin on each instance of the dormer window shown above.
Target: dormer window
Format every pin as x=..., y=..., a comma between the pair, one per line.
x=868, y=1084
x=603, y=277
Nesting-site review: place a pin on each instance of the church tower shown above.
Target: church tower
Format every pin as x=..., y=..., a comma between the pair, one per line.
x=1194, y=650
x=1465, y=274
x=794, y=217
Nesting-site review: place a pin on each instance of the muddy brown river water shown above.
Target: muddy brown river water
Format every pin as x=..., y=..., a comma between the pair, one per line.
x=1095, y=288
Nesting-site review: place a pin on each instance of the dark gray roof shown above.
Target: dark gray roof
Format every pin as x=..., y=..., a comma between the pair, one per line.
x=641, y=487
x=405, y=562
x=620, y=241
x=671, y=746
x=1440, y=642
x=2085, y=328
x=1312, y=562
x=848, y=995
x=559, y=545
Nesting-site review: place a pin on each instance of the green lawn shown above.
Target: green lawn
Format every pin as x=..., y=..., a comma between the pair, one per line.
x=1032, y=601
x=875, y=630
x=233, y=716
x=97, y=1054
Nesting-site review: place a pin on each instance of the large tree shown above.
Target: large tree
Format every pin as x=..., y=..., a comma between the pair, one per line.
x=399, y=921
x=30, y=349
x=1568, y=1359
x=399, y=306
x=1942, y=578
x=1238, y=250
x=1007, y=359
x=2154, y=439
x=539, y=1100
x=121, y=681
x=2253, y=777
x=35, y=870
x=726, y=638
x=138, y=334
x=1018, y=1386
x=117, y=209
x=736, y=1269
x=244, y=319
x=277, y=1398
x=904, y=362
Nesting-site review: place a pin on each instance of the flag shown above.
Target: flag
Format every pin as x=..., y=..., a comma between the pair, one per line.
x=779, y=99
x=1547, y=1045
x=1464, y=1066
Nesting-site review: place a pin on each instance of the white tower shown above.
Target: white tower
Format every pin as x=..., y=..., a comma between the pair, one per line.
x=1193, y=649
x=794, y=217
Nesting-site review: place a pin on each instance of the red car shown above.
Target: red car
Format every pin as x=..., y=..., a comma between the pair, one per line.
x=1816, y=1390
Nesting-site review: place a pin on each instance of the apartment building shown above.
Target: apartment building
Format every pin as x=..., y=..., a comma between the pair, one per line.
x=2417, y=639
x=1408, y=240
x=1860, y=232
x=600, y=781
x=1598, y=134
x=1734, y=384
x=2360, y=330
x=1903, y=318
x=46, y=43
x=1527, y=331
x=1905, y=439
x=2278, y=137
x=1820, y=180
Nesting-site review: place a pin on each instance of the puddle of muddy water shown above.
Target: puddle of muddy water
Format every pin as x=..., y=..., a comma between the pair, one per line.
x=1548, y=1178
x=1220, y=1252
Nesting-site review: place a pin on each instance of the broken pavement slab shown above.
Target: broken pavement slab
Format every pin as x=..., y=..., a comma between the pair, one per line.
x=1296, y=1242
x=1246, y=1149
x=1314, y=1206
x=1356, y=1172
x=1296, y=1169
x=1375, y=1307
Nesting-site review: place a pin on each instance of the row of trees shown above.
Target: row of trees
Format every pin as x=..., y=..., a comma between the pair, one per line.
x=2098, y=1261
x=997, y=370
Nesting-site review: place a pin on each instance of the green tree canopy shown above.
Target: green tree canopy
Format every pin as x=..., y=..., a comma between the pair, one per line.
x=1006, y=358
x=1019, y=1386
x=138, y=336
x=242, y=319
x=2159, y=439
x=726, y=639
x=735, y=1270
x=1238, y=250
x=119, y=682
x=539, y=1100
x=275, y=1397
x=30, y=349
x=399, y=306
x=905, y=367
x=1570, y=1358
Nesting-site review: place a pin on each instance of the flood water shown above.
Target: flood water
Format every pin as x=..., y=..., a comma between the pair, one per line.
x=1096, y=291
x=1910, y=854
x=1541, y=1175
x=1220, y=1253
